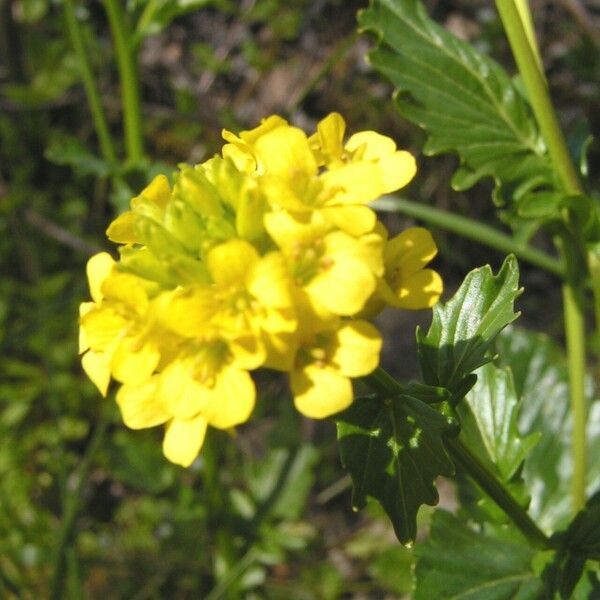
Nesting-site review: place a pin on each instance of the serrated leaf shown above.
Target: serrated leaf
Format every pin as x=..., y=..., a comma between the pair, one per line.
x=459, y=563
x=463, y=329
x=489, y=421
x=462, y=98
x=541, y=381
x=394, y=450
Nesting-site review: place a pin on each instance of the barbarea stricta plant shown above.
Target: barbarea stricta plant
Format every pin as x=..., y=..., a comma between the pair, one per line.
x=265, y=256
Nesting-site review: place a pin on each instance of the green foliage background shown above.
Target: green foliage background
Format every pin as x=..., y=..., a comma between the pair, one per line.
x=267, y=513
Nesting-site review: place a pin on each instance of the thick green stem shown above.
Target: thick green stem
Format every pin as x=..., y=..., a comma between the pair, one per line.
x=72, y=505
x=537, y=91
x=130, y=92
x=384, y=384
x=89, y=84
x=473, y=230
x=524, y=50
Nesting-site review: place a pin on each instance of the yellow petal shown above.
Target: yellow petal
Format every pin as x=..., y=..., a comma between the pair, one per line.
x=140, y=406
x=157, y=192
x=284, y=151
x=398, y=169
x=98, y=269
x=289, y=231
x=410, y=251
x=357, y=348
x=320, y=391
x=375, y=145
x=267, y=124
x=344, y=288
x=330, y=136
x=345, y=281
x=353, y=219
x=128, y=289
x=102, y=327
x=420, y=290
x=84, y=309
x=247, y=351
x=183, y=440
x=188, y=312
x=134, y=363
x=353, y=183
x=97, y=367
x=230, y=263
x=121, y=230
x=231, y=400
x=269, y=281
x=179, y=392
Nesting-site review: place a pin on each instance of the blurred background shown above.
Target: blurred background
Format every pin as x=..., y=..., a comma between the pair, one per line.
x=89, y=509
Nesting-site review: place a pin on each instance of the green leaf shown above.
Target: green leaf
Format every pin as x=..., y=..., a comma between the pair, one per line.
x=463, y=329
x=489, y=421
x=462, y=98
x=541, y=381
x=394, y=450
x=457, y=562
x=70, y=152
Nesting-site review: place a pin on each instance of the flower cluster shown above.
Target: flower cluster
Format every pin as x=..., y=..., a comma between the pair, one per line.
x=265, y=256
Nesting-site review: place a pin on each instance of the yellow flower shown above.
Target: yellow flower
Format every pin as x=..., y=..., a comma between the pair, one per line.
x=201, y=386
x=115, y=331
x=406, y=283
x=241, y=148
x=338, y=271
x=249, y=299
x=397, y=167
x=142, y=407
x=320, y=377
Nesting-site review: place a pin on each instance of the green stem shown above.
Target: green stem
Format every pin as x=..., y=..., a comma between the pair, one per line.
x=89, y=84
x=473, y=230
x=130, y=92
x=537, y=91
x=524, y=50
x=575, y=334
x=527, y=21
x=72, y=505
x=384, y=384
x=497, y=492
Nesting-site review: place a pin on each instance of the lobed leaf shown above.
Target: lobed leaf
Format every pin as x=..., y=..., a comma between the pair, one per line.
x=394, y=450
x=463, y=99
x=463, y=329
